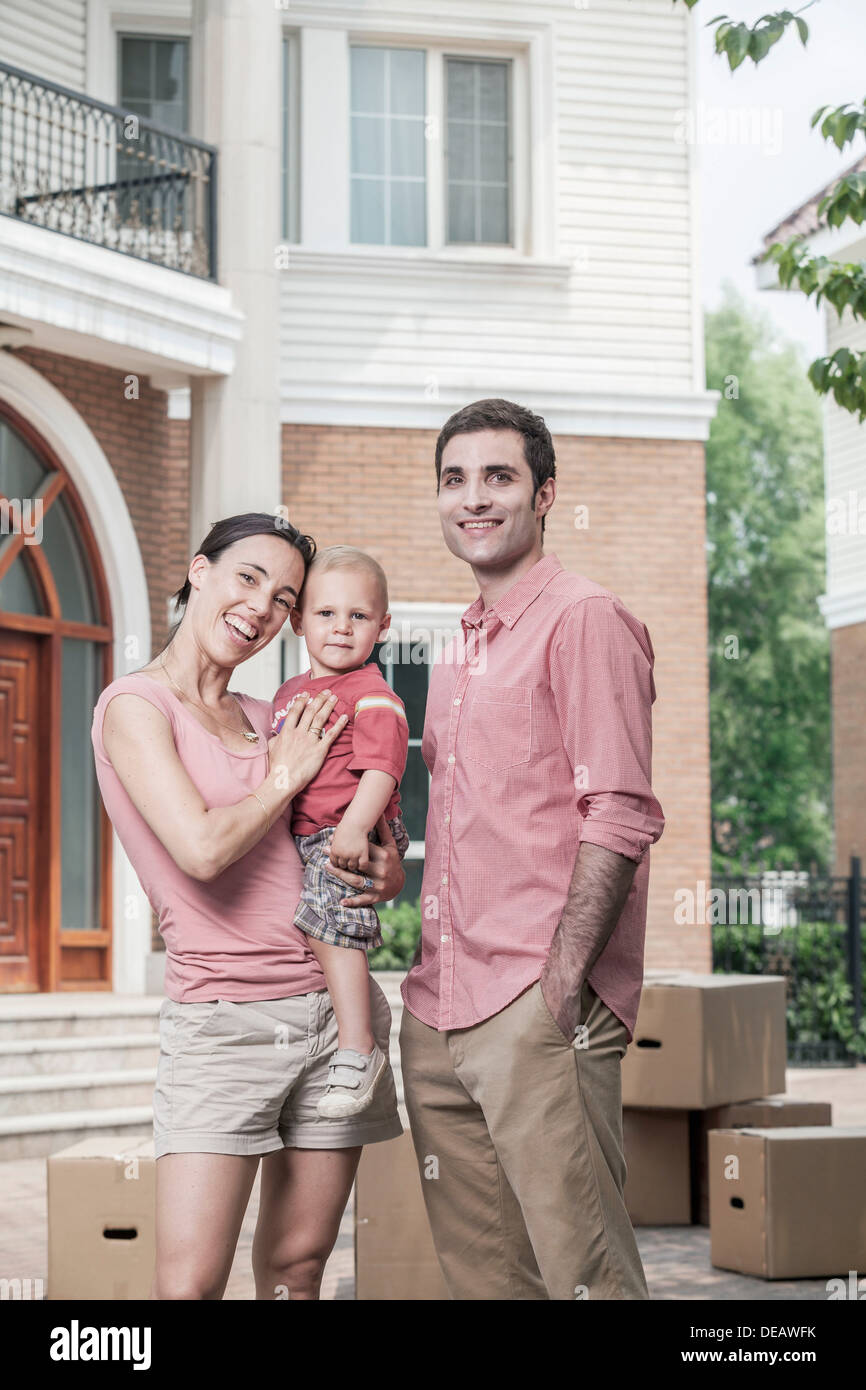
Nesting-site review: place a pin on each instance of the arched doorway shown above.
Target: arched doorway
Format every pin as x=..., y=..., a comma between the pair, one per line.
x=55, y=657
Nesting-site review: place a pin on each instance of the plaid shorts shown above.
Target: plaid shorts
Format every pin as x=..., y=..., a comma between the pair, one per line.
x=319, y=911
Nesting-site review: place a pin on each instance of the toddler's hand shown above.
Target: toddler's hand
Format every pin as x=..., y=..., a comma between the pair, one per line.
x=350, y=849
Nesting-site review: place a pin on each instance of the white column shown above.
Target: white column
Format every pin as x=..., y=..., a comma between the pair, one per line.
x=236, y=105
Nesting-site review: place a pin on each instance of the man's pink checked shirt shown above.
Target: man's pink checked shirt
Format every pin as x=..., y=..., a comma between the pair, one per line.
x=537, y=737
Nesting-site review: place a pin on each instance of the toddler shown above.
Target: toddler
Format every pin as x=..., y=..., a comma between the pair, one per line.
x=341, y=614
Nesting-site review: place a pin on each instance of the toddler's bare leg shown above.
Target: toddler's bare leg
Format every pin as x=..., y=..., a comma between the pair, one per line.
x=348, y=980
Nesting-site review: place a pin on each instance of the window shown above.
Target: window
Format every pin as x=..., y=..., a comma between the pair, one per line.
x=52, y=583
x=405, y=666
x=388, y=148
x=477, y=152
x=153, y=82
x=431, y=148
x=154, y=79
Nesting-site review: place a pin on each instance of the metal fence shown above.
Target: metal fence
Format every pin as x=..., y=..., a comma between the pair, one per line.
x=807, y=927
x=102, y=174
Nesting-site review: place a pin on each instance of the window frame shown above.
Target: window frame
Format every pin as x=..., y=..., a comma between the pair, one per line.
x=290, y=139
x=437, y=53
x=325, y=131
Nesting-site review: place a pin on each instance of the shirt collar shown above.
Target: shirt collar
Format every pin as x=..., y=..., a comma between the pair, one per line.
x=517, y=599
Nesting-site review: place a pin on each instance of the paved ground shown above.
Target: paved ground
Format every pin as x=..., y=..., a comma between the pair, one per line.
x=676, y=1258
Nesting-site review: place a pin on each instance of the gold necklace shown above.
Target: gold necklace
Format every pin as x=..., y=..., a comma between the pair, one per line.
x=250, y=737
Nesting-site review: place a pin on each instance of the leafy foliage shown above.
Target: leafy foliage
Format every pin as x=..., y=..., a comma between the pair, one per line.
x=812, y=957
x=401, y=931
x=768, y=645
x=741, y=41
x=841, y=284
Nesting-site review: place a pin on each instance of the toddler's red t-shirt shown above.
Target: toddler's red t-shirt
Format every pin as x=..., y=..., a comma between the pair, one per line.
x=376, y=735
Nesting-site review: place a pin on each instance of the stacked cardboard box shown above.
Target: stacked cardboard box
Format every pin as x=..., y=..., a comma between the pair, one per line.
x=101, y=1239
x=788, y=1203
x=700, y=1042
x=706, y=1140
x=394, y=1253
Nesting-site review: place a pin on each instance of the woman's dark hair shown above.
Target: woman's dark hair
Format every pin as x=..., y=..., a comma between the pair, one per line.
x=498, y=414
x=238, y=528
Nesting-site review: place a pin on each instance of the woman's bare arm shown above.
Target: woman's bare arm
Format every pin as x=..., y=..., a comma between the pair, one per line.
x=139, y=743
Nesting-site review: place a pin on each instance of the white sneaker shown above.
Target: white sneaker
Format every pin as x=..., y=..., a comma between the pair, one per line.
x=352, y=1078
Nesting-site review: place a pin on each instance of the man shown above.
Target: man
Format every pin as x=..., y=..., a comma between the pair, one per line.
x=523, y=994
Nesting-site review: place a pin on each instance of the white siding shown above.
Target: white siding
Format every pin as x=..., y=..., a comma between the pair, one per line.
x=845, y=469
x=46, y=37
x=612, y=309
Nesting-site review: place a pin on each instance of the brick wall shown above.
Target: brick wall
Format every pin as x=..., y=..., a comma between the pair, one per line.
x=848, y=658
x=376, y=488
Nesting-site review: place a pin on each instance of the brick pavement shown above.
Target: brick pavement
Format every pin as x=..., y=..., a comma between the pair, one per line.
x=676, y=1258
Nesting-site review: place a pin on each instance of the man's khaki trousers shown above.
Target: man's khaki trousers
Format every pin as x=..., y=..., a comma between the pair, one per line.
x=518, y=1135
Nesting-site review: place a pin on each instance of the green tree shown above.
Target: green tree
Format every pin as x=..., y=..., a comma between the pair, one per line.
x=769, y=657
x=840, y=283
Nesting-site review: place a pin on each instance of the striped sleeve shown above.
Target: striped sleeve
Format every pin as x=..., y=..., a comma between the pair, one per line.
x=380, y=734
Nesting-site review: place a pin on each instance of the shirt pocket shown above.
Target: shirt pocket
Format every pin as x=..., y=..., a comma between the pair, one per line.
x=500, y=727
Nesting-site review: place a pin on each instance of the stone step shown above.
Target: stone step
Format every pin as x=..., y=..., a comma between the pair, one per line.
x=32, y=1096
x=77, y=1015
x=35, y=1136
x=44, y=1056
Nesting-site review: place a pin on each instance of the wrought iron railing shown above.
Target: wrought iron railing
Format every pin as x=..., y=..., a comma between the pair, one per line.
x=102, y=174
x=807, y=927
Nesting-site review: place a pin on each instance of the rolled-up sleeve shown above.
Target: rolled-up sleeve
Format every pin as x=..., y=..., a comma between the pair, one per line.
x=601, y=673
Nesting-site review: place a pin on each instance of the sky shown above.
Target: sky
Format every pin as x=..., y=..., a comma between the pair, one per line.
x=758, y=159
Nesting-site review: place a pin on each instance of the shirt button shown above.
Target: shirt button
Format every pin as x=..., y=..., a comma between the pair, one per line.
x=444, y=878
x=445, y=938
x=447, y=817
x=458, y=700
x=451, y=758
x=506, y=617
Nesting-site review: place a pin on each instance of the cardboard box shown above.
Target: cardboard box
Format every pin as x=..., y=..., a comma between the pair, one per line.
x=658, y=1183
x=767, y=1112
x=101, y=1236
x=394, y=1253
x=788, y=1203
x=704, y=1040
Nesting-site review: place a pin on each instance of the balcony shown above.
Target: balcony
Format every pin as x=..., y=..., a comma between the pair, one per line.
x=103, y=175
x=133, y=282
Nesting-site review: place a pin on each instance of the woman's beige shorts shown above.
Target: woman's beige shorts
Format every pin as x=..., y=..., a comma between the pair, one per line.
x=244, y=1078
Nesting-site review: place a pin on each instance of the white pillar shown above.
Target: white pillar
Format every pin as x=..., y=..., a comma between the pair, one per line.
x=236, y=105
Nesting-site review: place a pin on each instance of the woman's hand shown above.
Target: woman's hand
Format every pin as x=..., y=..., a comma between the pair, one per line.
x=298, y=747
x=386, y=872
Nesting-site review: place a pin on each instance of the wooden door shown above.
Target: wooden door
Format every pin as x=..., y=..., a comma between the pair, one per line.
x=23, y=952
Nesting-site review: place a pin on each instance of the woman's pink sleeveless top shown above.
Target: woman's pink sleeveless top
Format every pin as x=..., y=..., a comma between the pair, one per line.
x=233, y=938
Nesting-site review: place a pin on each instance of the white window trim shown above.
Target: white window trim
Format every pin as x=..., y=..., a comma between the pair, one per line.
x=411, y=621
x=325, y=223
x=290, y=193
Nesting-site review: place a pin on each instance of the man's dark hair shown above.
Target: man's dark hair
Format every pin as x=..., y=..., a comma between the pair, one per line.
x=497, y=414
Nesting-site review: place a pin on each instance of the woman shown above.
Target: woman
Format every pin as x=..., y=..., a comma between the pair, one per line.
x=197, y=796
